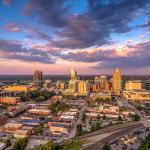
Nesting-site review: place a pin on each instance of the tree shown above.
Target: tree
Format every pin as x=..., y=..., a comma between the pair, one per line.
x=106, y=147
x=135, y=117
x=79, y=129
x=104, y=117
x=39, y=130
x=50, y=146
x=122, y=108
x=97, y=125
x=20, y=144
x=7, y=142
x=119, y=118
x=83, y=117
x=36, y=95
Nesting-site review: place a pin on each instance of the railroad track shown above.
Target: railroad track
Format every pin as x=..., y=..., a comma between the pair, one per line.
x=98, y=145
x=109, y=129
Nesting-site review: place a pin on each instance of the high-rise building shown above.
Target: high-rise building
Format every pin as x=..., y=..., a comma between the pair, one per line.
x=133, y=85
x=47, y=84
x=117, y=82
x=74, y=75
x=37, y=78
x=73, y=83
x=95, y=87
x=107, y=86
x=102, y=81
x=96, y=79
x=83, y=87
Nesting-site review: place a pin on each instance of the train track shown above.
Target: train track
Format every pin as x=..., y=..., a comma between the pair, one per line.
x=98, y=145
x=109, y=129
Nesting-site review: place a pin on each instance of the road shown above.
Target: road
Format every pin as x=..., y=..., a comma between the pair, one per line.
x=73, y=131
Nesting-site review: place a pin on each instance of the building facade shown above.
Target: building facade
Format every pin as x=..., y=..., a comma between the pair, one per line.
x=117, y=82
x=37, y=78
x=133, y=85
x=83, y=87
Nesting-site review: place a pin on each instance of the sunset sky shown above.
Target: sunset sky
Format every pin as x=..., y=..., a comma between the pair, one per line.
x=93, y=36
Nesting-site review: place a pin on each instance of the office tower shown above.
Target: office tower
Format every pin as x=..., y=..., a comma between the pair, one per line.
x=74, y=75
x=133, y=85
x=95, y=87
x=107, y=86
x=37, y=78
x=102, y=81
x=117, y=82
x=73, y=83
x=83, y=87
x=47, y=84
x=96, y=79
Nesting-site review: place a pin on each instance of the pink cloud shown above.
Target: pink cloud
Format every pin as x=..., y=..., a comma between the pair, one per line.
x=12, y=27
x=7, y=2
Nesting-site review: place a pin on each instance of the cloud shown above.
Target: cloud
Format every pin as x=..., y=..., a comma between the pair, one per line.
x=94, y=28
x=37, y=34
x=142, y=36
x=51, y=12
x=16, y=51
x=7, y=2
x=91, y=28
x=12, y=27
x=81, y=32
x=145, y=25
x=129, y=56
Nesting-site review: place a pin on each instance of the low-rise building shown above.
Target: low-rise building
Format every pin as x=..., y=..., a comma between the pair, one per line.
x=18, y=88
x=133, y=85
x=9, y=100
x=25, y=131
x=39, y=111
x=10, y=127
x=137, y=95
x=3, y=120
x=102, y=95
x=59, y=129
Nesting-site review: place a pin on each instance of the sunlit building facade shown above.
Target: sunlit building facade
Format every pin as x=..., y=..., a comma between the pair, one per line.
x=37, y=78
x=102, y=81
x=133, y=85
x=73, y=83
x=117, y=82
x=83, y=87
x=137, y=95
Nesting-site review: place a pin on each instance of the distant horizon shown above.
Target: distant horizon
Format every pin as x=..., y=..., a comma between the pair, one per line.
x=78, y=74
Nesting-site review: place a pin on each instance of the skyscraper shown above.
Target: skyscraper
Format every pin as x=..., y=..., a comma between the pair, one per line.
x=117, y=82
x=102, y=81
x=37, y=78
x=73, y=82
x=96, y=79
x=83, y=87
x=74, y=75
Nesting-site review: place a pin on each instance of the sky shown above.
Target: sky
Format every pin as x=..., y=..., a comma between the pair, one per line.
x=92, y=36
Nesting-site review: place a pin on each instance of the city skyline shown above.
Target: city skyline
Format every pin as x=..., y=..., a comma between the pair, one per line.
x=88, y=35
